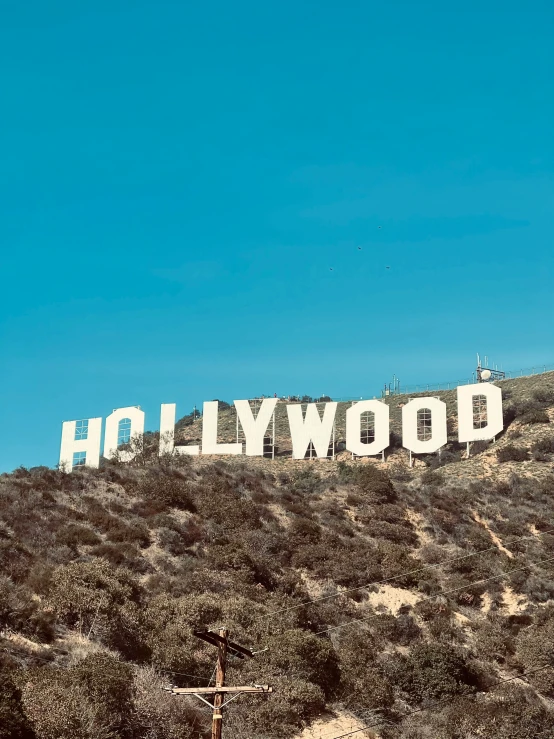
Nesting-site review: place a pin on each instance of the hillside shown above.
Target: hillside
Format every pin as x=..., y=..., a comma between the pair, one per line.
x=420, y=601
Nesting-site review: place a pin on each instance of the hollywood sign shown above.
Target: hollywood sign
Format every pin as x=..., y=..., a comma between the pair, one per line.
x=81, y=440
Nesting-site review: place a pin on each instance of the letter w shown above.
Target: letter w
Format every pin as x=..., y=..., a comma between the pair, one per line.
x=312, y=428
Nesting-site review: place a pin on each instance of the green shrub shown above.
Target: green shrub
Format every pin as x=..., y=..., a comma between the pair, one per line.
x=363, y=683
x=432, y=671
x=15, y=559
x=429, y=610
x=74, y=535
x=535, y=647
x=92, y=700
x=108, y=683
x=304, y=531
x=508, y=415
x=432, y=478
x=374, y=485
x=345, y=472
x=97, y=515
x=493, y=641
x=96, y=595
x=59, y=709
x=167, y=490
x=443, y=628
x=38, y=579
x=294, y=703
x=135, y=531
x=478, y=447
x=221, y=504
x=543, y=447
x=158, y=714
x=397, y=563
x=172, y=541
x=350, y=564
x=14, y=724
x=354, y=500
x=544, y=395
x=507, y=712
x=535, y=415
x=512, y=453
x=401, y=629
x=122, y=554
x=392, y=532
x=169, y=622
x=21, y=612
x=303, y=656
x=232, y=556
x=306, y=481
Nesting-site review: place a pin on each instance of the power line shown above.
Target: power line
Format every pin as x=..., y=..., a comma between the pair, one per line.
x=53, y=657
x=501, y=681
x=435, y=595
x=446, y=592
x=212, y=677
x=402, y=574
x=187, y=674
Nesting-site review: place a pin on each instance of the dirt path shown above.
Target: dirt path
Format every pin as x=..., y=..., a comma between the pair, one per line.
x=493, y=536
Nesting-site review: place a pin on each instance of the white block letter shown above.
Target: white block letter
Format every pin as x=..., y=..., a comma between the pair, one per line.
x=354, y=443
x=495, y=421
x=209, y=432
x=311, y=429
x=255, y=428
x=167, y=433
x=438, y=429
x=133, y=420
x=82, y=438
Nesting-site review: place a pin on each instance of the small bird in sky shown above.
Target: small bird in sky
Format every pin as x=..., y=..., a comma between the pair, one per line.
x=359, y=248
x=387, y=267
x=330, y=269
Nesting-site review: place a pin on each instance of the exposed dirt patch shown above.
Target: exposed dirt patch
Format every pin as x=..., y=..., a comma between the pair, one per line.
x=334, y=724
x=392, y=598
x=486, y=603
x=495, y=539
x=418, y=522
x=513, y=603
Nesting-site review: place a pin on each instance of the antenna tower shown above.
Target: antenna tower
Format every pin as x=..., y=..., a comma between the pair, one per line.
x=486, y=373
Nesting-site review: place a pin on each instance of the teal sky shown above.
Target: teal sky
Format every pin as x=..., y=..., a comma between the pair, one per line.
x=178, y=179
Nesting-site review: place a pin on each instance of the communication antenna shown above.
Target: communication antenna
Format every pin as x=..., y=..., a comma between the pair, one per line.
x=485, y=373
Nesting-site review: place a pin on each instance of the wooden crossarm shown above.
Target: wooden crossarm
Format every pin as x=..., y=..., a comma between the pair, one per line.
x=225, y=689
x=233, y=646
x=212, y=638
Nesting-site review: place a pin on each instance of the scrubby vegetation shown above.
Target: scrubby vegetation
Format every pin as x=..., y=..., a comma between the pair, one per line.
x=402, y=595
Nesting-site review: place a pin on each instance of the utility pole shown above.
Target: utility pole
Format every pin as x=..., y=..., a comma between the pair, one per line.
x=217, y=718
x=224, y=647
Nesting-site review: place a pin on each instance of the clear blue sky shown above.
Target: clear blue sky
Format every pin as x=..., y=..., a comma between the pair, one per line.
x=178, y=178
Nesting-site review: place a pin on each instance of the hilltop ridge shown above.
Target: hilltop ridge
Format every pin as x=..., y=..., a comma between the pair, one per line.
x=519, y=397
